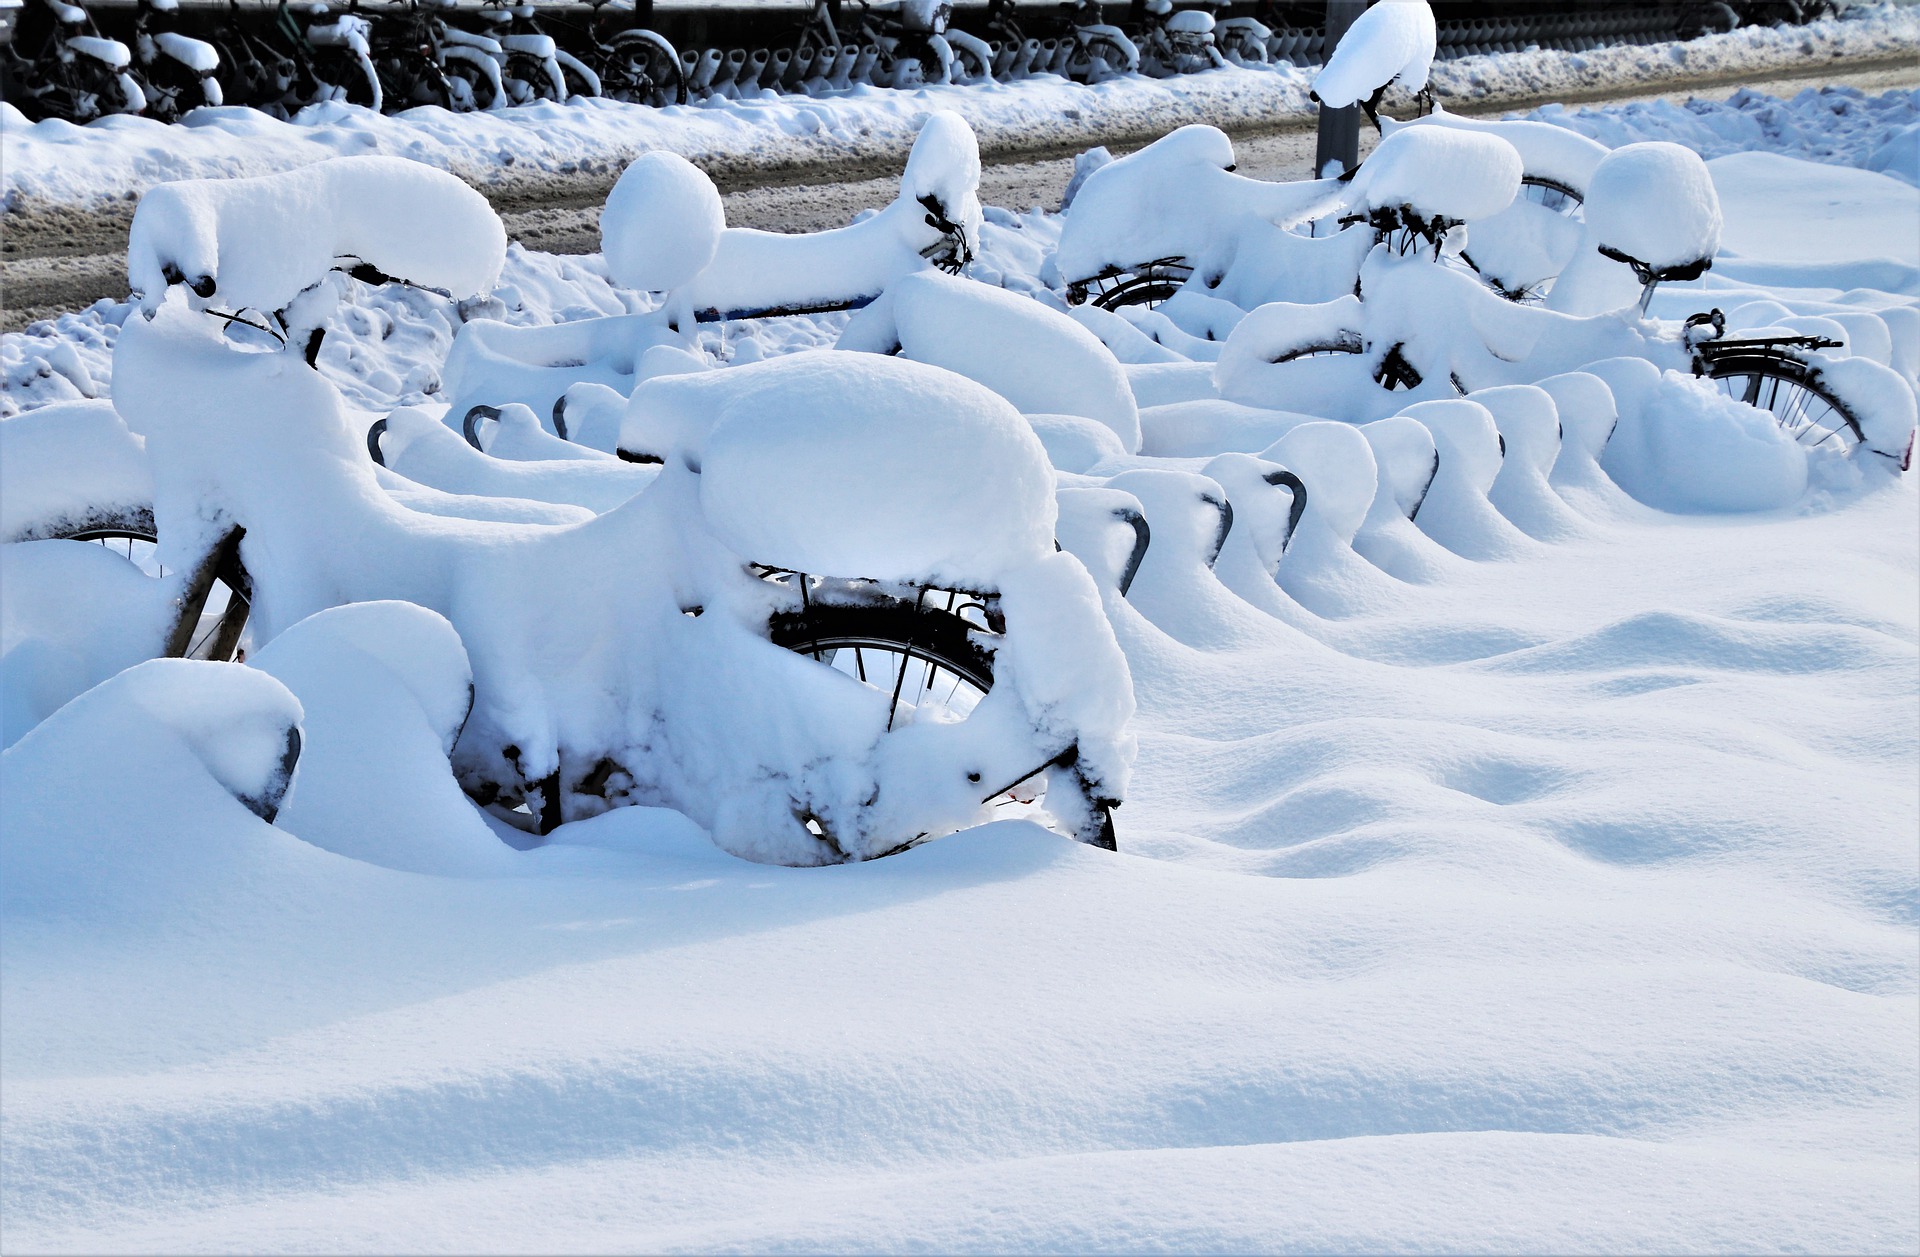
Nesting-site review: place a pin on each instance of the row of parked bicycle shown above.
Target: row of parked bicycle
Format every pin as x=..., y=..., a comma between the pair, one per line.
x=161, y=61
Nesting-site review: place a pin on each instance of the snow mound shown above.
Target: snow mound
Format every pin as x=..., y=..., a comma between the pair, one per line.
x=385, y=687
x=1119, y=215
x=67, y=466
x=863, y=466
x=1655, y=202
x=1439, y=173
x=1031, y=354
x=1686, y=447
x=259, y=242
x=758, y=271
x=73, y=614
x=1547, y=152
x=1392, y=42
x=661, y=224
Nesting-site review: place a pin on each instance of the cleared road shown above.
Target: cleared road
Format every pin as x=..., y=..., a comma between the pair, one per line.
x=57, y=260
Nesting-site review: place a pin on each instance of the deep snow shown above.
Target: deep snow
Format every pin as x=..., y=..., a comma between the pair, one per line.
x=1563, y=897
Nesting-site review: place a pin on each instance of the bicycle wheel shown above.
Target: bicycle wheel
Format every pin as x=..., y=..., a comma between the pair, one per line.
x=933, y=661
x=1551, y=194
x=219, y=597
x=642, y=68
x=1096, y=59
x=1789, y=389
x=1147, y=284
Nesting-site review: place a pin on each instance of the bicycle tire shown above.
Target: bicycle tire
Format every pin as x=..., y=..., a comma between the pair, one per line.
x=1791, y=390
x=1096, y=60
x=641, y=68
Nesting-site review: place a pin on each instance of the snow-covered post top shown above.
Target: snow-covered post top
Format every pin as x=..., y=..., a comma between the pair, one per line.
x=1392, y=42
x=1653, y=206
x=258, y=243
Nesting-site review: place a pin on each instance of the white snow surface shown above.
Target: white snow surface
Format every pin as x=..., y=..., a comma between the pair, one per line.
x=1506, y=865
x=661, y=224
x=844, y=464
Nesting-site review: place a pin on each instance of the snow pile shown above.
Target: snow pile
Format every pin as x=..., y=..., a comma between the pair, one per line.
x=74, y=614
x=384, y=688
x=258, y=243
x=68, y=467
x=1118, y=215
x=757, y=271
x=1547, y=152
x=1687, y=447
x=1834, y=125
x=1391, y=43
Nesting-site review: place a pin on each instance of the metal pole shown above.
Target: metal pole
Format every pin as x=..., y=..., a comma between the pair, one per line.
x=1339, y=145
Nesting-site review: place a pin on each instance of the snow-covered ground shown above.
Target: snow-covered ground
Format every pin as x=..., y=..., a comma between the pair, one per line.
x=58, y=163
x=1565, y=900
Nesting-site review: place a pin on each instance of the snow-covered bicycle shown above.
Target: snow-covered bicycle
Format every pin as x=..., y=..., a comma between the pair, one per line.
x=830, y=624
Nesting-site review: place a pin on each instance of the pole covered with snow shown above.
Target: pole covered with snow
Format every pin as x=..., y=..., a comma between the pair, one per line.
x=1339, y=127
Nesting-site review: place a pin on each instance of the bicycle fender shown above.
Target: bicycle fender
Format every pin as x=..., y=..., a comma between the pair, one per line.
x=568, y=61
x=1119, y=39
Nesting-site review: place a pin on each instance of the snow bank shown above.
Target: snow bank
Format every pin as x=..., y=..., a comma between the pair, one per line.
x=1392, y=42
x=259, y=242
x=195, y=747
x=856, y=465
x=661, y=223
x=1655, y=202
x=1689, y=448
x=590, y=139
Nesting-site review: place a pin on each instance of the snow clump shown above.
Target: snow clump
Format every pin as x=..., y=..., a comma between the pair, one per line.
x=661, y=224
x=846, y=465
x=1391, y=43
x=1440, y=174
x=1655, y=202
x=259, y=242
